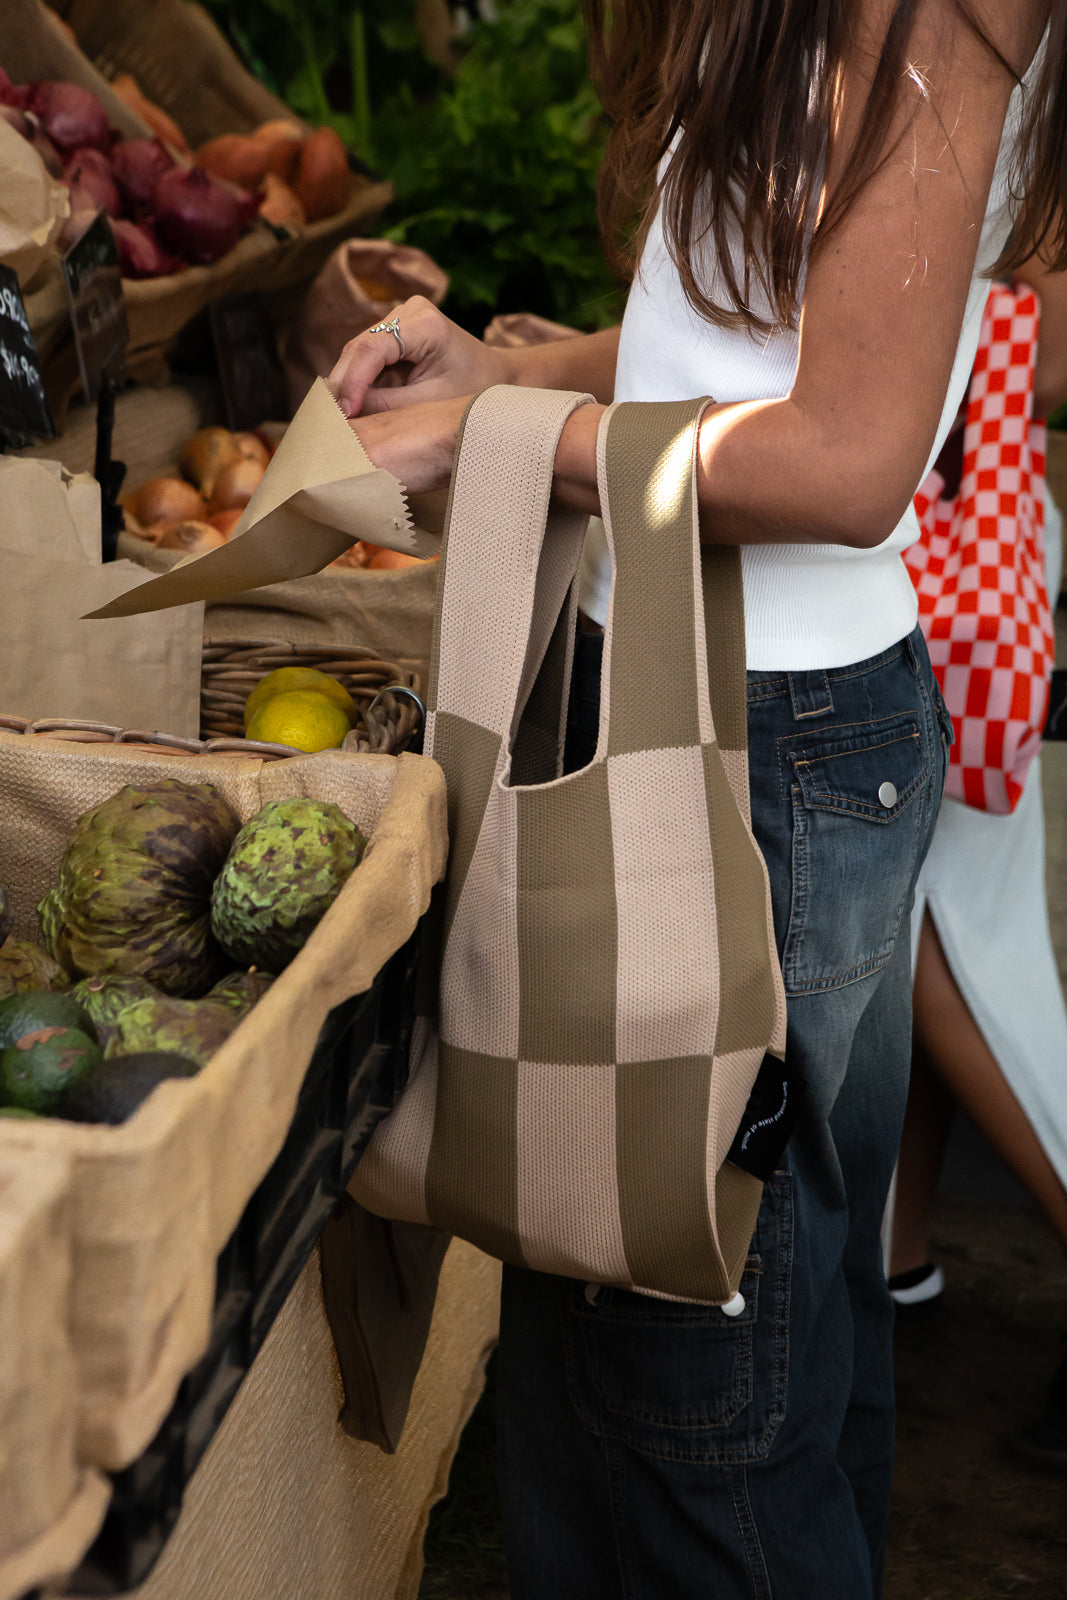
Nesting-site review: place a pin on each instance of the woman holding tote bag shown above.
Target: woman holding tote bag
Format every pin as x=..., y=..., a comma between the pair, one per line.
x=822, y=191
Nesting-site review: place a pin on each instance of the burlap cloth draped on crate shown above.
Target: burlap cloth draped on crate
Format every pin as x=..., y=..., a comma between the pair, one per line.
x=50, y=1504
x=153, y=1201
x=284, y=1506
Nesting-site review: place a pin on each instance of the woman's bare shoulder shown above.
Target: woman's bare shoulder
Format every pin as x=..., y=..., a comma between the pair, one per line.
x=1015, y=27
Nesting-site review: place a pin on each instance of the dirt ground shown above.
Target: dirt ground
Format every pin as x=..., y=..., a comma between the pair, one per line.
x=967, y=1522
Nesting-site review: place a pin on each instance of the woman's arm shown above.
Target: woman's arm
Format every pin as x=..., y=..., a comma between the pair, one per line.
x=838, y=460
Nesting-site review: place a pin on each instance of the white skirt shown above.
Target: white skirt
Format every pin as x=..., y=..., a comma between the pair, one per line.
x=984, y=885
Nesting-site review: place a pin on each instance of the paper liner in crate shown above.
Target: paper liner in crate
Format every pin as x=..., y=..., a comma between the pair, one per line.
x=318, y=496
x=52, y=1505
x=153, y=1200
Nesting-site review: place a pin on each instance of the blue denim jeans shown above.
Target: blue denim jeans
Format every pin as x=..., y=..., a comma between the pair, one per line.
x=659, y=1451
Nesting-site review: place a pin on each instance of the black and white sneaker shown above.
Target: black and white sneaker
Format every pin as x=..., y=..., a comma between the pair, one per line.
x=919, y=1294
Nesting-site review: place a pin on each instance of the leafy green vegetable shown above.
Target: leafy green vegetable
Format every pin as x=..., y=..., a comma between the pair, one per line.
x=494, y=166
x=496, y=176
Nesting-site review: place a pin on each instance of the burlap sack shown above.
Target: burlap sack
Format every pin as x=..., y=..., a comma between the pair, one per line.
x=50, y=1505
x=154, y=1200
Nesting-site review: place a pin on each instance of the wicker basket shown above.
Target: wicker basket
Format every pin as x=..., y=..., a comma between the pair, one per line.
x=386, y=697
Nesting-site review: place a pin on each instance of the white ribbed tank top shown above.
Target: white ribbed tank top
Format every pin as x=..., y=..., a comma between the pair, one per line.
x=806, y=605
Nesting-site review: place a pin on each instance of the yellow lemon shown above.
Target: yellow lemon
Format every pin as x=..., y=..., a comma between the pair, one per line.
x=285, y=679
x=301, y=717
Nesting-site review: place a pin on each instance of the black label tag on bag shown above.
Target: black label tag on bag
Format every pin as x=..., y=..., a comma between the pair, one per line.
x=769, y=1119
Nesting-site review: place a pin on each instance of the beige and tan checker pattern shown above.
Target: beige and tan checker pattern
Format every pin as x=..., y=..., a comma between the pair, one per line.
x=608, y=978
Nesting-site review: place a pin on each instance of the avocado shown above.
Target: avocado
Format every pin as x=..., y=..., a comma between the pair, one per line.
x=36, y=1072
x=41, y=1008
x=112, y=1090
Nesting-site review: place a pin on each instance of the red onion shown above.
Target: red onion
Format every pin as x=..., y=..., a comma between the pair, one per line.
x=137, y=165
x=91, y=184
x=140, y=253
x=44, y=147
x=13, y=94
x=196, y=216
x=72, y=116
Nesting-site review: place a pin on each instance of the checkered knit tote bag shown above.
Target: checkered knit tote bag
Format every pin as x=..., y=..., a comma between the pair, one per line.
x=608, y=983
x=979, y=568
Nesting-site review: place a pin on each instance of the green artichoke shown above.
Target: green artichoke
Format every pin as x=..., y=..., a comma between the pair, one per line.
x=134, y=888
x=241, y=989
x=106, y=996
x=285, y=868
x=191, y=1028
x=24, y=966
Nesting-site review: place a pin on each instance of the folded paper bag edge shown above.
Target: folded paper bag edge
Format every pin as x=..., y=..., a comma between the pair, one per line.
x=289, y=534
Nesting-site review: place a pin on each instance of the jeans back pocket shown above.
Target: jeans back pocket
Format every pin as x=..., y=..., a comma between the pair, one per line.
x=858, y=827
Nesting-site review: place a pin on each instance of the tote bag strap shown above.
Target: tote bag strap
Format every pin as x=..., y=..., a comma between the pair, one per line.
x=508, y=559
x=674, y=673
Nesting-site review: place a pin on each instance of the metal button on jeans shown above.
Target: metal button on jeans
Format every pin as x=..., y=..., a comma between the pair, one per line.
x=887, y=794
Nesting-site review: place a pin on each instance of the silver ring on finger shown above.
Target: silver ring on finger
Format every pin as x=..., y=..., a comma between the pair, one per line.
x=393, y=327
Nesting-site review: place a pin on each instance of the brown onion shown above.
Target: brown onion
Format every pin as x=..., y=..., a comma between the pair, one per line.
x=252, y=446
x=204, y=456
x=226, y=521
x=194, y=538
x=236, y=484
x=166, y=500
x=323, y=180
x=71, y=116
x=279, y=205
x=198, y=217
x=138, y=165
x=234, y=157
x=140, y=253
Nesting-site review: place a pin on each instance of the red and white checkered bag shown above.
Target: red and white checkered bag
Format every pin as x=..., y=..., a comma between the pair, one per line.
x=979, y=567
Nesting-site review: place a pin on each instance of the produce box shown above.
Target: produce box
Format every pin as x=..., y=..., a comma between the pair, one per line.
x=196, y=76
x=285, y=1506
x=51, y=1505
x=154, y=1200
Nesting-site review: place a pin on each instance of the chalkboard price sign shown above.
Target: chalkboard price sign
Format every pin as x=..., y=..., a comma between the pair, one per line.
x=23, y=407
x=97, y=309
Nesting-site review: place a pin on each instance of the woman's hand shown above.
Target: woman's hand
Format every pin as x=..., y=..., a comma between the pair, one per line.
x=441, y=361
x=416, y=444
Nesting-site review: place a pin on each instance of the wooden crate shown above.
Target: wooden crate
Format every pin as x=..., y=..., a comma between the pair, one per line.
x=181, y=61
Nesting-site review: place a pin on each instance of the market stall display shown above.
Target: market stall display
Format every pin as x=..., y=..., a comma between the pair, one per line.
x=197, y=1038
x=154, y=1200
x=184, y=69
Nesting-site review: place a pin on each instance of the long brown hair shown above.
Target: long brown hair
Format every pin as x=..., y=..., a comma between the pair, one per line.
x=722, y=77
